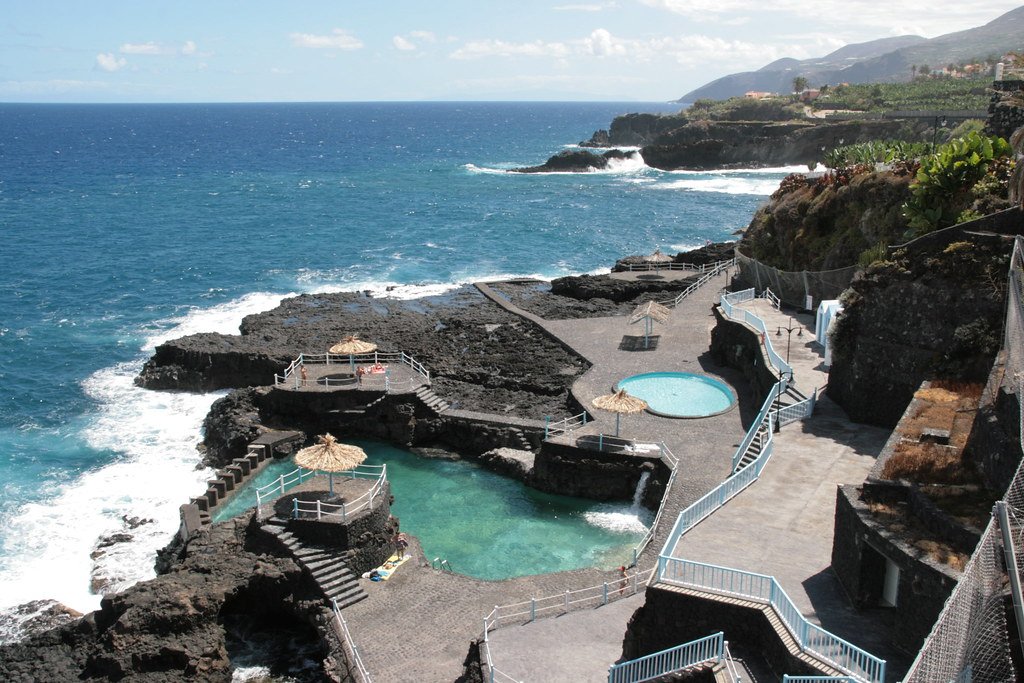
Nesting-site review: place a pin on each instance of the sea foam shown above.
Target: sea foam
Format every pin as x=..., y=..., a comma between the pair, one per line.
x=153, y=436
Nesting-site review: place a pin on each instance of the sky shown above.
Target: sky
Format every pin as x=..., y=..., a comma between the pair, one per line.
x=341, y=50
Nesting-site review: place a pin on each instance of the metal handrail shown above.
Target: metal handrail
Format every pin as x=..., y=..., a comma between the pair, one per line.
x=301, y=474
x=553, y=429
x=673, y=464
x=730, y=665
x=561, y=603
x=672, y=660
x=340, y=358
x=714, y=270
x=344, y=509
x=811, y=638
x=679, y=266
x=355, y=659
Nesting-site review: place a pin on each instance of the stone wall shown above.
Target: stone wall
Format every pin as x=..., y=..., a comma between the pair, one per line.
x=668, y=618
x=570, y=471
x=1004, y=117
x=735, y=345
x=924, y=585
x=994, y=444
x=366, y=534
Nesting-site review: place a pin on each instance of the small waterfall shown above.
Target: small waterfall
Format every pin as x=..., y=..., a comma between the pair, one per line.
x=641, y=486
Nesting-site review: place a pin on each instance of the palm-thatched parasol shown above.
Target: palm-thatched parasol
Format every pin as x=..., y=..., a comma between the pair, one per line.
x=658, y=258
x=352, y=345
x=330, y=456
x=649, y=312
x=620, y=402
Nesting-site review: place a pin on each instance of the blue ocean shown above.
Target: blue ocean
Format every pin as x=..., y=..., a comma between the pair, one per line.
x=127, y=225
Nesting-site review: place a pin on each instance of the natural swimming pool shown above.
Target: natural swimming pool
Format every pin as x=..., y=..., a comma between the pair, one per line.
x=486, y=525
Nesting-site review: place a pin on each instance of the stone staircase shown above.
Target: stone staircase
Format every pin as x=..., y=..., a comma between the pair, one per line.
x=517, y=440
x=325, y=565
x=431, y=400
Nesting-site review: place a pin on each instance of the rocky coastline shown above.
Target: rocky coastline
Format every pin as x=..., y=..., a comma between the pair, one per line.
x=181, y=622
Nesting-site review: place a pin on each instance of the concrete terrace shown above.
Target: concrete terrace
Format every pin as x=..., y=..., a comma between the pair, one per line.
x=421, y=610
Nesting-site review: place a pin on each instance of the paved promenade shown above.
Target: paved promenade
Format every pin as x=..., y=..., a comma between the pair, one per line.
x=781, y=525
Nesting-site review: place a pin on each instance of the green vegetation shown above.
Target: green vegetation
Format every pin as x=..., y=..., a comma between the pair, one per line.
x=922, y=93
x=875, y=152
x=744, y=109
x=951, y=182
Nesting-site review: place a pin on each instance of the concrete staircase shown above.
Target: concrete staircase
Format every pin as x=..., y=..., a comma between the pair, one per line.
x=774, y=621
x=518, y=440
x=789, y=397
x=431, y=400
x=324, y=565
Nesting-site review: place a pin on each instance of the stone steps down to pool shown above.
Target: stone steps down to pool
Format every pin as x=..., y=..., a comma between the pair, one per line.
x=324, y=565
x=432, y=400
x=789, y=397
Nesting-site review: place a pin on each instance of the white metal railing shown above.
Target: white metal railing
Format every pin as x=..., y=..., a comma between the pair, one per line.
x=699, y=652
x=352, y=653
x=702, y=268
x=320, y=510
x=786, y=678
x=710, y=273
x=731, y=672
x=673, y=464
x=292, y=374
x=591, y=596
x=772, y=299
x=730, y=305
x=299, y=475
x=811, y=638
x=553, y=429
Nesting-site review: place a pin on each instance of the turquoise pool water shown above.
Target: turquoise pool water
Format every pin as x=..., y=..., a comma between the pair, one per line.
x=680, y=394
x=486, y=525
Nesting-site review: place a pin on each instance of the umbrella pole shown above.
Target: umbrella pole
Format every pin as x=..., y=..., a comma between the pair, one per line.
x=618, y=417
x=351, y=363
x=330, y=481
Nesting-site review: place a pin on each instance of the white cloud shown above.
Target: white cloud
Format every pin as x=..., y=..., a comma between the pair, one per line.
x=189, y=48
x=424, y=36
x=339, y=39
x=149, y=48
x=108, y=61
x=404, y=44
x=602, y=44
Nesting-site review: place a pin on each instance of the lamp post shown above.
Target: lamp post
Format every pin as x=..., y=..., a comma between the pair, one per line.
x=936, y=122
x=778, y=390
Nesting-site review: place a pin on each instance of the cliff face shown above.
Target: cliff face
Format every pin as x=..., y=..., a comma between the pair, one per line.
x=826, y=223
x=935, y=310
x=724, y=144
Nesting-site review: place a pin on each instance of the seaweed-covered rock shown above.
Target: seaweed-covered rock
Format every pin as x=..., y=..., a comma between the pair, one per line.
x=577, y=161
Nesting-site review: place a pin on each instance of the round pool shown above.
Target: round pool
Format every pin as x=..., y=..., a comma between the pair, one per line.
x=680, y=394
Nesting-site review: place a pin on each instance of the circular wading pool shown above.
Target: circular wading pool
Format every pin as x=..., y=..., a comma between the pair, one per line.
x=680, y=394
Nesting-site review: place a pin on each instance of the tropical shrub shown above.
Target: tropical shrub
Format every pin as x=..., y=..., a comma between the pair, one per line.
x=942, y=188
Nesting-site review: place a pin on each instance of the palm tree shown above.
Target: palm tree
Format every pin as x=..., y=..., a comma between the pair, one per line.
x=799, y=84
x=913, y=71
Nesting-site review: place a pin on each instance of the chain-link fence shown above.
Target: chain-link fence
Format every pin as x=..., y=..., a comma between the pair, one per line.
x=970, y=642
x=794, y=287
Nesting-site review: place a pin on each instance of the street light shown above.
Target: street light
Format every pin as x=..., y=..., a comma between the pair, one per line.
x=778, y=387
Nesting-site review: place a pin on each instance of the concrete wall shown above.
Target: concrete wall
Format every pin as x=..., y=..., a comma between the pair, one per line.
x=924, y=585
x=735, y=345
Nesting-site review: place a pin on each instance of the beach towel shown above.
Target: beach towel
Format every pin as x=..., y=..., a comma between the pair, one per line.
x=384, y=572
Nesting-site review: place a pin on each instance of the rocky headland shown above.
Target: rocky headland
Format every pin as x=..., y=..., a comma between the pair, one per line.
x=577, y=161
x=671, y=142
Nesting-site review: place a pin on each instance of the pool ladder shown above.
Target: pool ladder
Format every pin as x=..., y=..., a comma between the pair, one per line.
x=442, y=564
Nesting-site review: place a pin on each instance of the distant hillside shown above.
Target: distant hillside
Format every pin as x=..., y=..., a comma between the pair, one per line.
x=877, y=61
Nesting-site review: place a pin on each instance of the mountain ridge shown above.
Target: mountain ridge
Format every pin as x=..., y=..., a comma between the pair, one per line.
x=882, y=60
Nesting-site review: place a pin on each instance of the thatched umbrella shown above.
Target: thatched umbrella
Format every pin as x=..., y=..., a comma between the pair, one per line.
x=352, y=345
x=657, y=258
x=649, y=312
x=330, y=456
x=620, y=402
